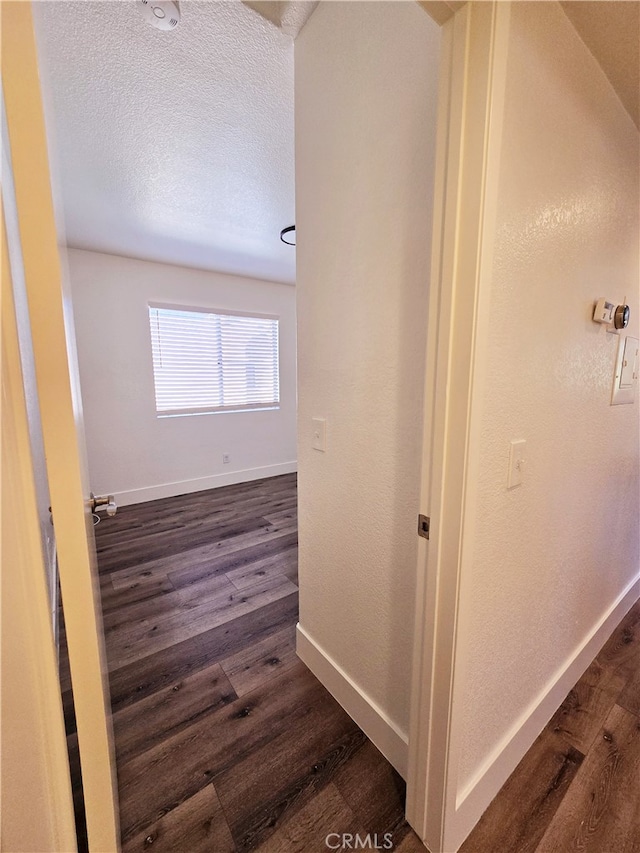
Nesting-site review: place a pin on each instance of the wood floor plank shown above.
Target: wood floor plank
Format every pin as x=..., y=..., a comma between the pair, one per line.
x=148, y=674
x=250, y=752
x=410, y=843
x=140, y=607
x=113, y=557
x=138, y=521
x=375, y=792
x=302, y=755
x=583, y=712
x=171, y=570
x=601, y=810
x=135, y=591
x=291, y=573
x=77, y=792
x=521, y=813
x=64, y=670
x=256, y=665
x=630, y=696
x=213, y=593
x=165, y=540
x=254, y=817
x=194, y=571
x=307, y=831
x=242, y=498
x=192, y=560
x=147, y=636
x=143, y=519
x=234, y=603
x=223, y=523
x=195, y=826
x=138, y=577
x=620, y=653
x=171, y=513
x=185, y=762
x=283, y=515
x=151, y=720
x=282, y=563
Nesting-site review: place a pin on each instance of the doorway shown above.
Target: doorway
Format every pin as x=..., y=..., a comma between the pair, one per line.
x=333, y=658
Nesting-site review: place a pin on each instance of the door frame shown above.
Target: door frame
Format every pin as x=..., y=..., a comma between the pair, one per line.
x=57, y=382
x=469, y=124
x=471, y=96
x=35, y=764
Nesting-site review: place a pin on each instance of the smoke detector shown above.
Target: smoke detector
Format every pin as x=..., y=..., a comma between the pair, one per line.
x=161, y=14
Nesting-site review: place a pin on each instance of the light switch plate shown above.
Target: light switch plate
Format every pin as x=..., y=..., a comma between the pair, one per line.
x=626, y=374
x=517, y=461
x=319, y=434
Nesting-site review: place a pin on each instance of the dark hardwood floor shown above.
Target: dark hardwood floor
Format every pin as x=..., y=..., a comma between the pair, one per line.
x=578, y=787
x=226, y=742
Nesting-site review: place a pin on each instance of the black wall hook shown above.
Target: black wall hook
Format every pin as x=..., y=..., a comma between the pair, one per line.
x=289, y=230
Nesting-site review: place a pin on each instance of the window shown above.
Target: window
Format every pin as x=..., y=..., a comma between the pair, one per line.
x=213, y=362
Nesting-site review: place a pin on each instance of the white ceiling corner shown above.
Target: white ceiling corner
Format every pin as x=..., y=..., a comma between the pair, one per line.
x=289, y=15
x=176, y=146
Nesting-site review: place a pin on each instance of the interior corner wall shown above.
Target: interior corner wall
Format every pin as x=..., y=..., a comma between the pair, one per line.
x=133, y=454
x=550, y=566
x=366, y=77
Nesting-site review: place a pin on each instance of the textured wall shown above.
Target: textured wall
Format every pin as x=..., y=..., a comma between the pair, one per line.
x=548, y=558
x=366, y=78
x=128, y=446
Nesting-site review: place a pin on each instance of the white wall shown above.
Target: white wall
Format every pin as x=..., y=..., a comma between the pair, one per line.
x=134, y=454
x=545, y=564
x=365, y=82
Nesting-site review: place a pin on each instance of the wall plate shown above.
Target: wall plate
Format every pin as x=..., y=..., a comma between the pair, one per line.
x=517, y=460
x=625, y=378
x=319, y=426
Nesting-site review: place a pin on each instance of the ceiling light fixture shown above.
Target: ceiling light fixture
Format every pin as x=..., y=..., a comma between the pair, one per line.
x=161, y=14
x=290, y=230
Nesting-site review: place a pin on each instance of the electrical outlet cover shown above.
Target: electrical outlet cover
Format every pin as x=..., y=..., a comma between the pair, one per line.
x=626, y=373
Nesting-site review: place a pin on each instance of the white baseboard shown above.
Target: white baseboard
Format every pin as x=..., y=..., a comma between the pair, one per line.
x=383, y=732
x=200, y=484
x=477, y=794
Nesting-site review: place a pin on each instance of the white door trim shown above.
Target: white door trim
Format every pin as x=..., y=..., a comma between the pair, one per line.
x=53, y=350
x=469, y=132
x=35, y=790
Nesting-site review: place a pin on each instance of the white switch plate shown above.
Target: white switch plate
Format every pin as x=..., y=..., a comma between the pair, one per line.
x=517, y=461
x=626, y=376
x=319, y=434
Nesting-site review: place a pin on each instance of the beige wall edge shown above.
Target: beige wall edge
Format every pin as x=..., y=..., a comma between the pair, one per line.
x=61, y=419
x=37, y=806
x=441, y=10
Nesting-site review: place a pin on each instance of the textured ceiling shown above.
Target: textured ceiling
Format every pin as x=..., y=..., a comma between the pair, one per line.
x=174, y=147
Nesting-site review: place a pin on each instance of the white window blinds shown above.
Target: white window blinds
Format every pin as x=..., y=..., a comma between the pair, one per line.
x=213, y=362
